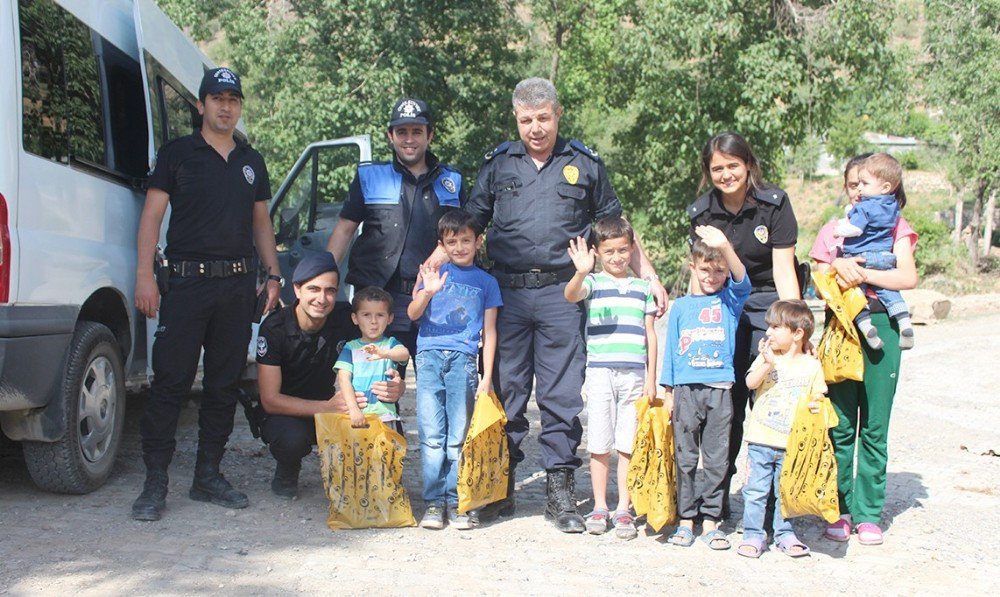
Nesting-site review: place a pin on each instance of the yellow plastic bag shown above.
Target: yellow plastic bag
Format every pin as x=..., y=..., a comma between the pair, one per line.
x=808, y=483
x=652, y=476
x=362, y=473
x=840, y=347
x=485, y=461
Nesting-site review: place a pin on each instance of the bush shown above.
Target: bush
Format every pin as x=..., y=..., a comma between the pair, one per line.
x=935, y=251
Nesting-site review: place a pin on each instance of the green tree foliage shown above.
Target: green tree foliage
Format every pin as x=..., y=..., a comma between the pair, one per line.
x=963, y=40
x=646, y=82
x=330, y=68
x=772, y=71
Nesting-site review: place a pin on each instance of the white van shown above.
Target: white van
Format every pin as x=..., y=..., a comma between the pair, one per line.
x=88, y=90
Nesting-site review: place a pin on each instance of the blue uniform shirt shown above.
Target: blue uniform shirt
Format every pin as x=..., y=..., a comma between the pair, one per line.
x=535, y=212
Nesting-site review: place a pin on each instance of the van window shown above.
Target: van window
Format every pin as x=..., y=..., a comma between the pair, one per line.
x=181, y=115
x=82, y=97
x=126, y=111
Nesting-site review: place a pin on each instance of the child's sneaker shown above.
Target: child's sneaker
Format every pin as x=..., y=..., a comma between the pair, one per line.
x=462, y=522
x=433, y=517
x=596, y=522
x=624, y=525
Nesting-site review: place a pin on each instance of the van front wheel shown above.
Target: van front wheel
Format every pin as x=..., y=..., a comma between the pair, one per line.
x=93, y=396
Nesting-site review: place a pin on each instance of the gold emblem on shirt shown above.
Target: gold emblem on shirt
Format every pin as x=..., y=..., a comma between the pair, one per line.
x=761, y=233
x=572, y=174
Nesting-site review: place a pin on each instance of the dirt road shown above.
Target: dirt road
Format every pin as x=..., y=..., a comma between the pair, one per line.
x=943, y=531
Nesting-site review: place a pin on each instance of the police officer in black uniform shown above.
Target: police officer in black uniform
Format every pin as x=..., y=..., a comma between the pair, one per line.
x=296, y=350
x=758, y=220
x=217, y=187
x=541, y=192
x=400, y=203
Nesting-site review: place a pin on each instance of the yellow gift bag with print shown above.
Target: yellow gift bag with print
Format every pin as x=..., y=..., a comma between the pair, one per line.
x=652, y=477
x=808, y=483
x=484, y=464
x=362, y=473
x=840, y=347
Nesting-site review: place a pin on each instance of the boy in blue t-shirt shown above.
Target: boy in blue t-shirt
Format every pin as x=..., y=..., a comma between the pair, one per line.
x=456, y=305
x=698, y=374
x=366, y=360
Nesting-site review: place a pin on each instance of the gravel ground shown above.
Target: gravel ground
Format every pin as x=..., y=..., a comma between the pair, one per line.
x=942, y=527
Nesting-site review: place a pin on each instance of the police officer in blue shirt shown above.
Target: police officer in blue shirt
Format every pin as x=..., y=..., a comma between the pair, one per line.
x=217, y=188
x=540, y=192
x=400, y=203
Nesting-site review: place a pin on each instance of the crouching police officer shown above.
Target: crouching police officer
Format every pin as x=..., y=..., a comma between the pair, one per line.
x=540, y=193
x=400, y=203
x=296, y=351
x=217, y=187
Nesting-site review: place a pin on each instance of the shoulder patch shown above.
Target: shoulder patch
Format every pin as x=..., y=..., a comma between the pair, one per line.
x=700, y=206
x=771, y=196
x=579, y=146
x=502, y=148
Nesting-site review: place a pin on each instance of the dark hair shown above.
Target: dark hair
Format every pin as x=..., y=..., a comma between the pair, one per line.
x=612, y=227
x=372, y=294
x=454, y=221
x=885, y=167
x=730, y=144
x=855, y=162
x=794, y=314
x=702, y=252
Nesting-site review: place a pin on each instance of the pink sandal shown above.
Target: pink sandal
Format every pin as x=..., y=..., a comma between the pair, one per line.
x=869, y=533
x=839, y=530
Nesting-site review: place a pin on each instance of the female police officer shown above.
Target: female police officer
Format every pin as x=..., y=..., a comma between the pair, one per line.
x=758, y=220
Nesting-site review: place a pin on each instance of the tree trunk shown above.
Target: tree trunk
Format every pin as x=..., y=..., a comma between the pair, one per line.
x=956, y=232
x=972, y=240
x=558, y=42
x=991, y=206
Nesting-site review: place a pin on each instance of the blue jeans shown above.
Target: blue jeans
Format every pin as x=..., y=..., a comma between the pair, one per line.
x=446, y=393
x=765, y=471
x=891, y=299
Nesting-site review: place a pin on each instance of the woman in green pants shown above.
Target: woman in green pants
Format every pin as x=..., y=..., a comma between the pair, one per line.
x=864, y=407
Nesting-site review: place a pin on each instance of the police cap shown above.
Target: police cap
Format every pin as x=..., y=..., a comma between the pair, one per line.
x=314, y=265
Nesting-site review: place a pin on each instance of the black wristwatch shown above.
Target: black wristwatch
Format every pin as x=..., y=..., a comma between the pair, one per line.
x=278, y=279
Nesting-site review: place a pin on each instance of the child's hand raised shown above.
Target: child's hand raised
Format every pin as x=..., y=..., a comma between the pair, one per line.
x=374, y=352
x=712, y=236
x=765, y=350
x=432, y=278
x=582, y=255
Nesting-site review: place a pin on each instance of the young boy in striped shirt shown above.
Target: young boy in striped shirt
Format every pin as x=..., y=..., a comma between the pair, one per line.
x=621, y=357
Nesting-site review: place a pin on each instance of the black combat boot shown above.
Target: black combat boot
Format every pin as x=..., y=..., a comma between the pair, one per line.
x=210, y=486
x=285, y=484
x=504, y=507
x=560, y=504
x=153, y=499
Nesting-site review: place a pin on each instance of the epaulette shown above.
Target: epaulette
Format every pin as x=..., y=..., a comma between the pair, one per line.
x=700, y=206
x=771, y=196
x=502, y=148
x=579, y=146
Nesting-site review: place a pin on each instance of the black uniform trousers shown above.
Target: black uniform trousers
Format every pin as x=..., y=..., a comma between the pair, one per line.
x=540, y=341
x=213, y=313
x=290, y=439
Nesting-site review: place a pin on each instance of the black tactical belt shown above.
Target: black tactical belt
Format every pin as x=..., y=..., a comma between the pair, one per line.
x=403, y=286
x=533, y=278
x=210, y=269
